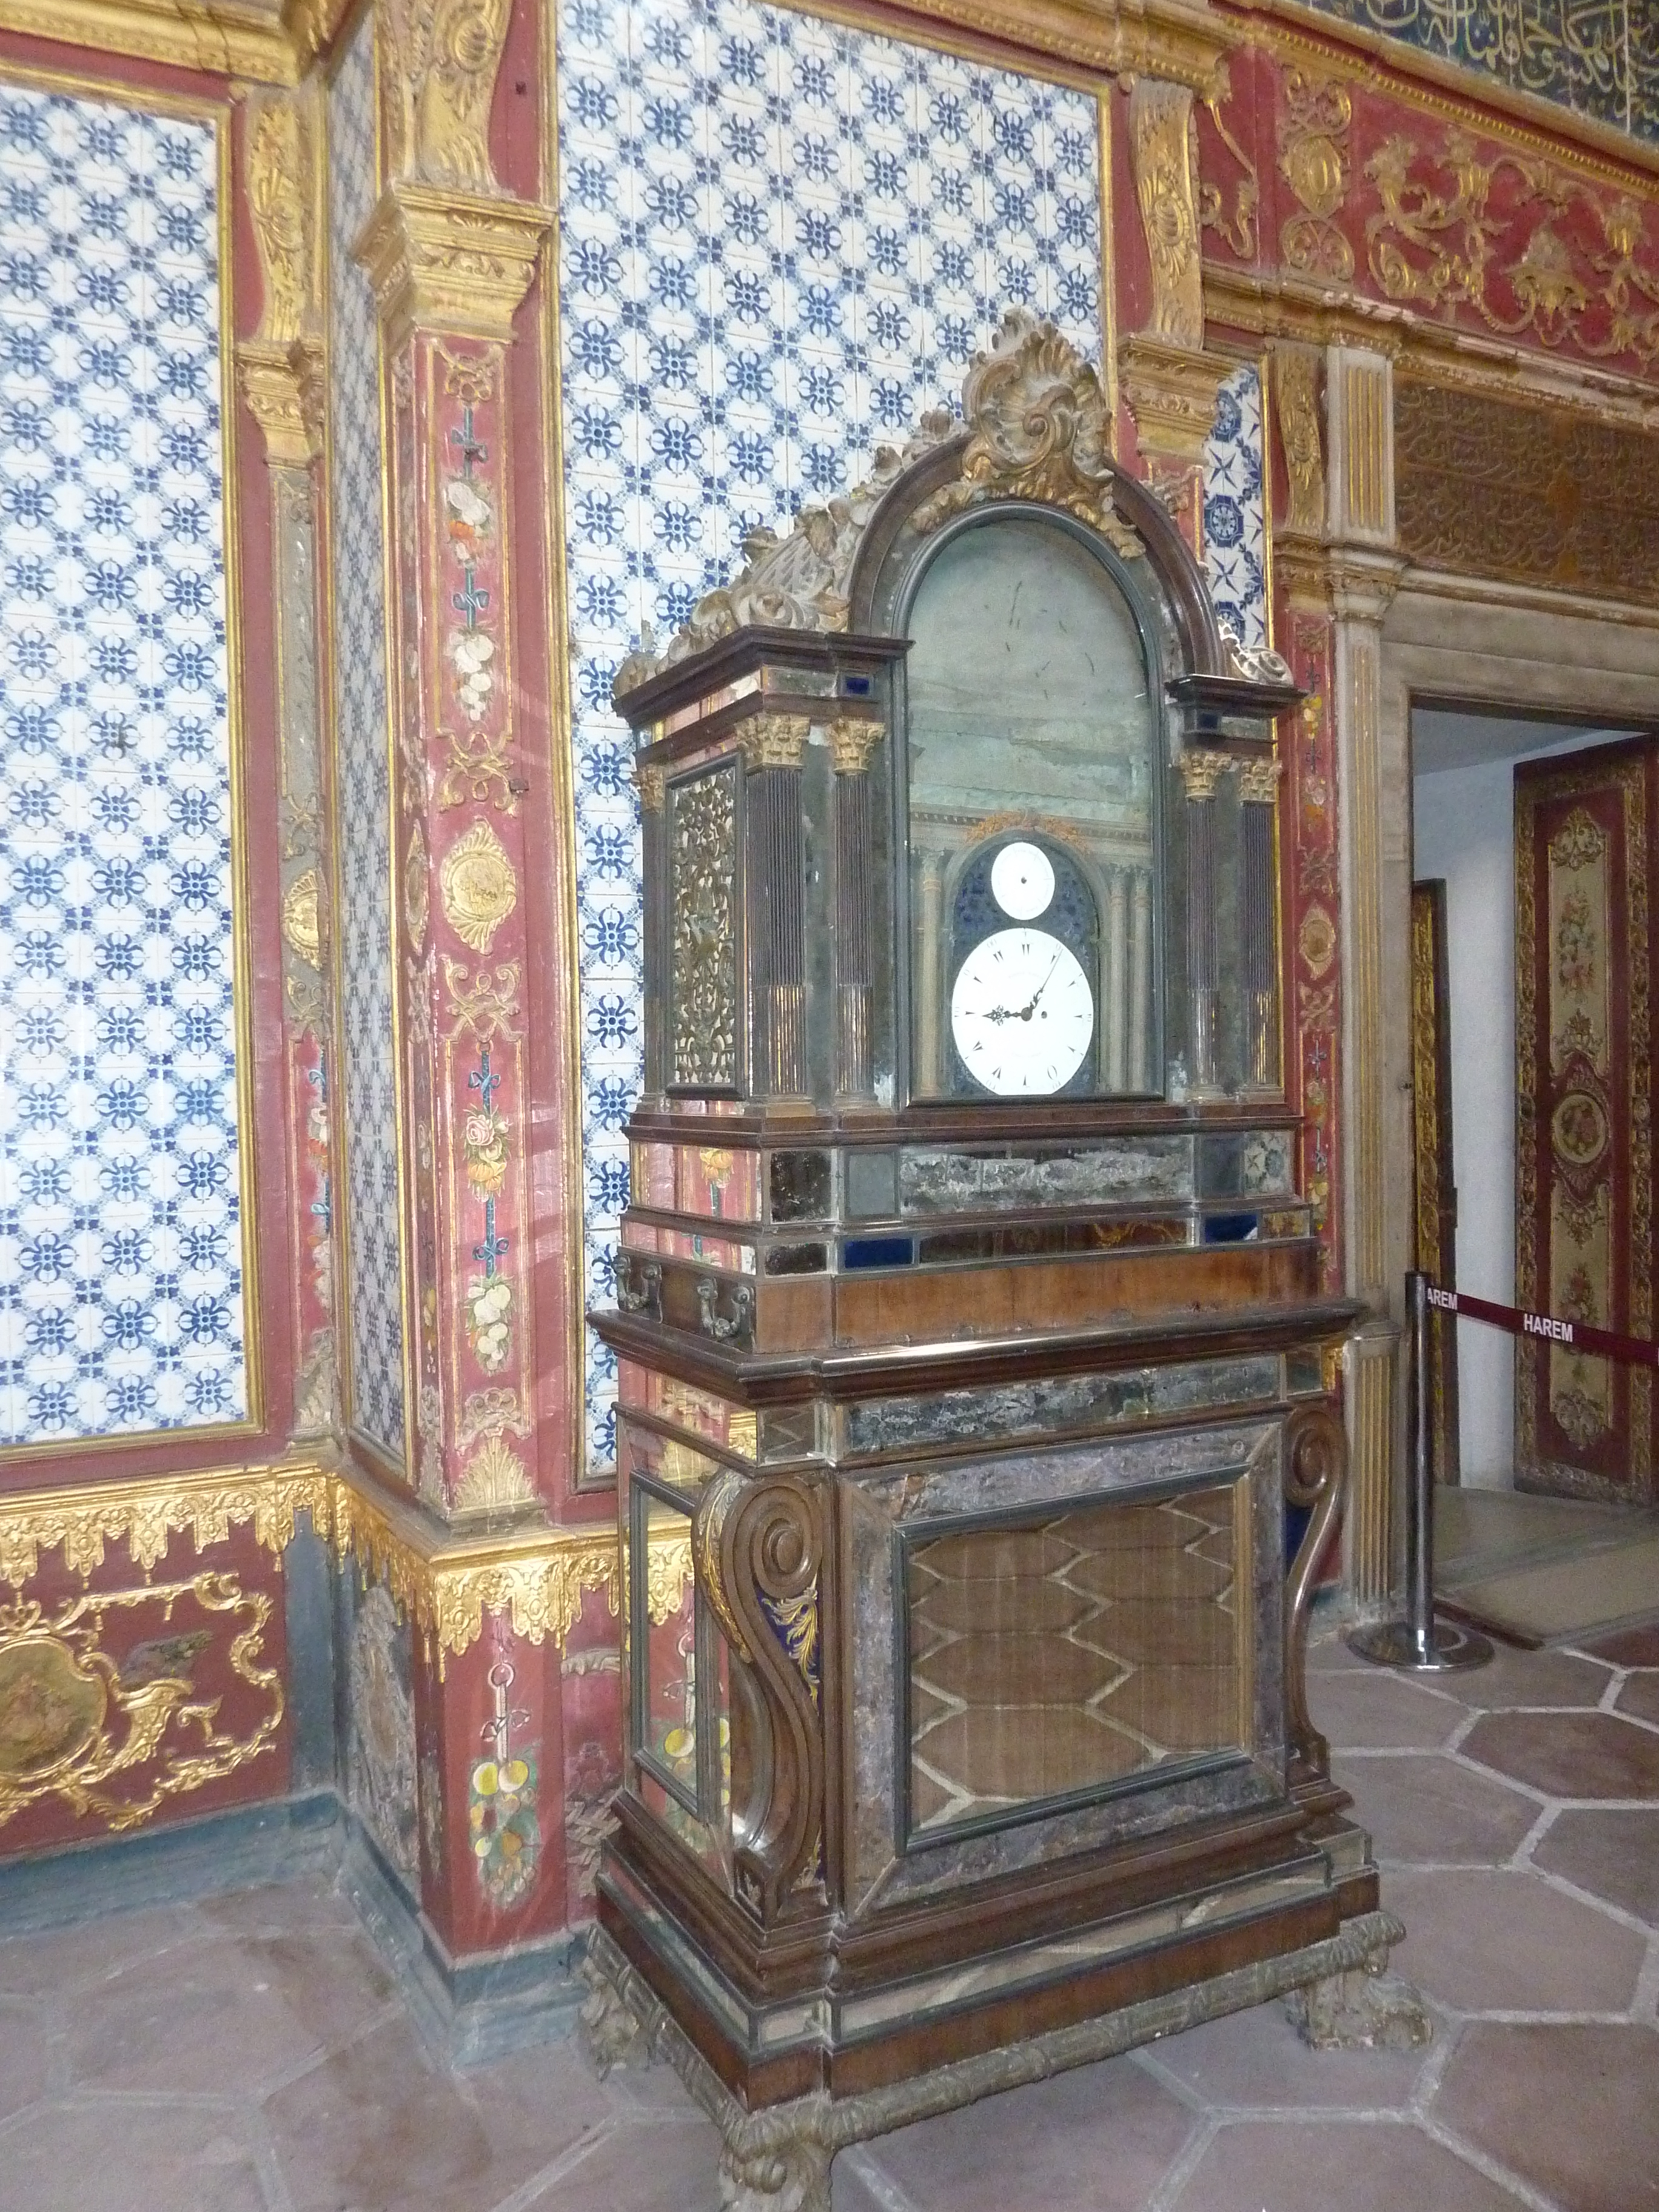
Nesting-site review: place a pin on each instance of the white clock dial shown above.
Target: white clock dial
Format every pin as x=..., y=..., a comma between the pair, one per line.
x=1022, y=881
x=1022, y=1013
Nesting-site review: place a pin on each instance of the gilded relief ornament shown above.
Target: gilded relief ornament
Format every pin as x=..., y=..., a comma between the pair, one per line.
x=1296, y=395
x=443, y=63
x=302, y=918
x=1313, y=160
x=1165, y=156
x=486, y=1006
x=282, y=189
x=417, y=908
x=494, y=1480
x=75, y=1715
x=478, y=886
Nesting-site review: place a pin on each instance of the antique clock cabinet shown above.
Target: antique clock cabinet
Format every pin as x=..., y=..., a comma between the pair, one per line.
x=970, y=1351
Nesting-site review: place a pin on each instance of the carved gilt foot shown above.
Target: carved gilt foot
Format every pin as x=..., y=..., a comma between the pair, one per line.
x=612, y=2030
x=782, y=2177
x=1366, y=2009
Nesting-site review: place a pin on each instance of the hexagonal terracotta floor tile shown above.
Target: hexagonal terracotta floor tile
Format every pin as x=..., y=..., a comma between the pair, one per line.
x=1483, y=1940
x=1610, y=1852
x=1299, y=2166
x=1569, y=1754
x=1431, y=1810
x=1573, y=2109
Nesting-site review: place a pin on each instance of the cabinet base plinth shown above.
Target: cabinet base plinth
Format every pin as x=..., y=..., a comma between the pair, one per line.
x=777, y=2159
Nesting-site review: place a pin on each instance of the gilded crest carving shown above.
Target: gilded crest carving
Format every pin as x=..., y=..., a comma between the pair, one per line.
x=1165, y=156
x=443, y=61
x=282, y=196
x=302, y=918
x=478, y=886
x=703, y=969
x=1313, y=160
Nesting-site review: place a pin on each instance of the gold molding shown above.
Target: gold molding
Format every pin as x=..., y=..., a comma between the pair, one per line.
x=1171, y=393
x=445, y=1580
x=1182, y=40
x=455, y=262
x=219, y=38
x=146, y=1513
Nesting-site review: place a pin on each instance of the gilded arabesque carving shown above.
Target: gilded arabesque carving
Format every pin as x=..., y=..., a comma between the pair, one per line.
x=1164, y=151
x=1295, y=382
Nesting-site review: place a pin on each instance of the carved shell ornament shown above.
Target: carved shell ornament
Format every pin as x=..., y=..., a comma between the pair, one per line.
x=1039, y=428
x=478, y=885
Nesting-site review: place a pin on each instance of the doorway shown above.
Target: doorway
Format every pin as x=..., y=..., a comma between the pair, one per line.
x=1468, y=767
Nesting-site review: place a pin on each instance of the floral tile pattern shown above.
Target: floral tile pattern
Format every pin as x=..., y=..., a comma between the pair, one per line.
x=363, y=770
x=1235, y=508
x=120, y=1167
x=782, y=242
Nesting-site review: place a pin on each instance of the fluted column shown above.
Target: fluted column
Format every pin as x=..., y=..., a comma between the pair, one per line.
x=1201, y=774
x=773, y=746
x=851, y=744
x=1258, y=792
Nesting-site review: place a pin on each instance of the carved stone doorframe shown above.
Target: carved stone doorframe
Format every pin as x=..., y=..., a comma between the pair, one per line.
x=1479, y=644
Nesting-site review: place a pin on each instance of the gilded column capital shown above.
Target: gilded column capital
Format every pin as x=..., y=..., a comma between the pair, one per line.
x=1258, y=781
x=1201, y=773
x=1362, y=585
x=853, y=739
x=773, y=741
x=450, y=262
x=1171, y=393
x=284, y=388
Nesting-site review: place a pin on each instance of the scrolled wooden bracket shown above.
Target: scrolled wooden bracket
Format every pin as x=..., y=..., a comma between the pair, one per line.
x=1316, y=1481
x=759, y=1550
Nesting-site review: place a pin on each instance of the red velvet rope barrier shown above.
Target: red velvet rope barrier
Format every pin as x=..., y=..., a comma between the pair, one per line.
x=1579, y=1334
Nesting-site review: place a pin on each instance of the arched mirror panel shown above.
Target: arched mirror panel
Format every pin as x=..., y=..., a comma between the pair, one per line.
x=1030, y=786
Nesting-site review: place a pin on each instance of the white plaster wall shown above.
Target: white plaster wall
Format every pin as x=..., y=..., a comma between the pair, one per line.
x=1463, y=829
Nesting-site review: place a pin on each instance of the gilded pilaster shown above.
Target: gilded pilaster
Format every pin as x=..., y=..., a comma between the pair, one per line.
x=451, y=256
x=280, y=371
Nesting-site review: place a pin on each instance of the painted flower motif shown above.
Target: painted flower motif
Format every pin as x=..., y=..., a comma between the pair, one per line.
x=483, y=1145
x=472, y=651
x=470, y=517
x=490, y=1320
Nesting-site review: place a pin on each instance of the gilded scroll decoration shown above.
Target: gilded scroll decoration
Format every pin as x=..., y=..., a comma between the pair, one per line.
x=1238, y=228
x=1488, y=487
x=282, y=200
x=1313, y=160
x=479, y=886
x=703, y=861
x=1164, y=152
x=1448, y=233
x=73, y=1716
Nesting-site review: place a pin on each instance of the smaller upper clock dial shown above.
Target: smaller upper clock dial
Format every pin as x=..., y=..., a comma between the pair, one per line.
x=1022, y=1013
x=1023, y=880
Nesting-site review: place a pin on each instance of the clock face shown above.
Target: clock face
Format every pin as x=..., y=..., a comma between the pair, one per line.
x=1022, y=881
x=1022, y=1013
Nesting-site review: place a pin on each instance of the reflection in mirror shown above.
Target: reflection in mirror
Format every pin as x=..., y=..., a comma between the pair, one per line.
x=1033, y=749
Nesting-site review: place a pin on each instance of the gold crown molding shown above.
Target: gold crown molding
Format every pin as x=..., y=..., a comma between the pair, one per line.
x=1362, y=583
x=1450, y=88
x=220, y=38
x=452, y=262
x=1181, y=40
x=1285, y=308
x=145, y=1515
x=1171, y=393
x=284, y=389
x=1300, y=564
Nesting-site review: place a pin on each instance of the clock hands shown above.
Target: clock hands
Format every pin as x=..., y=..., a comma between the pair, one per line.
x=1022, y=1013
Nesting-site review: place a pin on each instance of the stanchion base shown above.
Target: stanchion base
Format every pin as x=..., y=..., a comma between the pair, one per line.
x=1446, y=1650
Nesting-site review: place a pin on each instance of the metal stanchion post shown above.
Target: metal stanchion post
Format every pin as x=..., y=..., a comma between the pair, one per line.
x=1419, y=1645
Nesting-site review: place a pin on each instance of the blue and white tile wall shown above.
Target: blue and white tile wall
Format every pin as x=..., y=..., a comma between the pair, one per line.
x=1235, y=508
x=368, y=1056
x=783, y=241
x=120, y=1168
